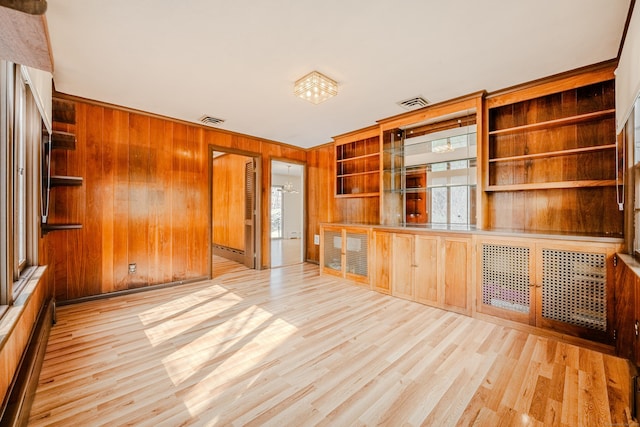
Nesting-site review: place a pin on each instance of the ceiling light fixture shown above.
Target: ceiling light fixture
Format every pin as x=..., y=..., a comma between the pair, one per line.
x=445, y=148
x=288, y=186
x=315, y=87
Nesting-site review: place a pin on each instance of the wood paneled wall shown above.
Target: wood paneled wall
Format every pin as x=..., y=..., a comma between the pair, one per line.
x=228, y=200
x=145, y=200
x=323, y=206
x=13, y=341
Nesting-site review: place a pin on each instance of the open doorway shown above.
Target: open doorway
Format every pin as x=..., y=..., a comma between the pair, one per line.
x=234, y=204
x=287, y=213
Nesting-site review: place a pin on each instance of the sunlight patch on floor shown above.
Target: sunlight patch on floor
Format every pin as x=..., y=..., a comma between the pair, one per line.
x=246, y=357
x=188, y=317
x=173, y=307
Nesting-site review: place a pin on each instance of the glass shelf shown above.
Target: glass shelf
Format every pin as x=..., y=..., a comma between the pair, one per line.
x=425, y=144
x=432, y=177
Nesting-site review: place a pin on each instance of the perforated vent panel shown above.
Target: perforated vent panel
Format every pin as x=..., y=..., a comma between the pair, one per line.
x=333, y=250
x=505, y=277
x=357, y=245
x=574, y=288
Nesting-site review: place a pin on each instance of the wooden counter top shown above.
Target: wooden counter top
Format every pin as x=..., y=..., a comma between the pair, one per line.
x=469, y=229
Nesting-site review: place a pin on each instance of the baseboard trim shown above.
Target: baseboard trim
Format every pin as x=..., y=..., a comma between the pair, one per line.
x=132, y=291
x=17, y=406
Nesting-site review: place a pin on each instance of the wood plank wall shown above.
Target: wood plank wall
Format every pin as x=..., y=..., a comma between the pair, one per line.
x=145, y=200
x=228, y=200
x=14, y=341
x=323, y=206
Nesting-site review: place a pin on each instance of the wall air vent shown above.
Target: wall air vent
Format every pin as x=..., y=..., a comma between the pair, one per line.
x=211, y=121
x=413, y=103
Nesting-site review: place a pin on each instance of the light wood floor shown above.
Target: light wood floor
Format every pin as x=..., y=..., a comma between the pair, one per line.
x=285, y=252
x=287, y=347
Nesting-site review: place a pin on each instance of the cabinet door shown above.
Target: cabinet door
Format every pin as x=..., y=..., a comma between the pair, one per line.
x=381, y=279
x=402, y=283
x=457, y=268
x=426, y=270
x=356, y=250
x=331, y=254
x=575, y=294
x=505, y=279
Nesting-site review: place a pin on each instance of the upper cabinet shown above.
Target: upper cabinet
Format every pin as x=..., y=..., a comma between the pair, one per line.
x=551, y=157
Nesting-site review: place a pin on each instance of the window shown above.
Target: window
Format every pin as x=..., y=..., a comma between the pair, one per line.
x=19, y=177
x=20, y=141
x=451, y=199
x=277, y=224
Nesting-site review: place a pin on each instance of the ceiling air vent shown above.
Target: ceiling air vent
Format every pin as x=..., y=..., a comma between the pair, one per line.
x=211, y=121
x=413, y=103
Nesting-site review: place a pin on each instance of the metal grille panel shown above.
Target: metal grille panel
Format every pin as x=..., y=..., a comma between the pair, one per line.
x=357, y=249
x=574, y=288
x=505, y=277
x=333, y=250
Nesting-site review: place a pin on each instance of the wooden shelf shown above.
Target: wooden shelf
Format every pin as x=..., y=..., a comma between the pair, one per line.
x=65, y=181
x=364, y=156
x=47, y=228
x=357, y=174
x=553, y=185
x=341, y=196
x=554, y=153
x=557, y=122
x=63, y=140
x=64, y=111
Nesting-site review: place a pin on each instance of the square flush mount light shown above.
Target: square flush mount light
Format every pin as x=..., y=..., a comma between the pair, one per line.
x=315, y=87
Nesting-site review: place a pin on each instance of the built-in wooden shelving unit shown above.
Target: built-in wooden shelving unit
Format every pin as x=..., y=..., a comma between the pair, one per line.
x=64, y=116
x=551, y=157
x=358, y=164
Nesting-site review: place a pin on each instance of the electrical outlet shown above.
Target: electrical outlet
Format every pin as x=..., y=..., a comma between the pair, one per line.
x=132, y=268
x=316, y=239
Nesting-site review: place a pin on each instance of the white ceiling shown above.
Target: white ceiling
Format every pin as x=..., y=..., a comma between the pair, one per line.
x=238, y=60
x=284, y=168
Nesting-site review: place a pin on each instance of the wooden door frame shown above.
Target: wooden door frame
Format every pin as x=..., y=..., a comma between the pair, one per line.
x=303, y=188
x=257, y=228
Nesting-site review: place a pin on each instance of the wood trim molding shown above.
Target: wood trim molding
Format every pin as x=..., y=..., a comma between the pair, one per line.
x=563, y=81
x=132, y=291
x=368, y=132
x=626, y=28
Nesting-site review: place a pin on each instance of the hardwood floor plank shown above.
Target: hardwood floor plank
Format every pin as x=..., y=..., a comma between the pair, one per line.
x=290, y=347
